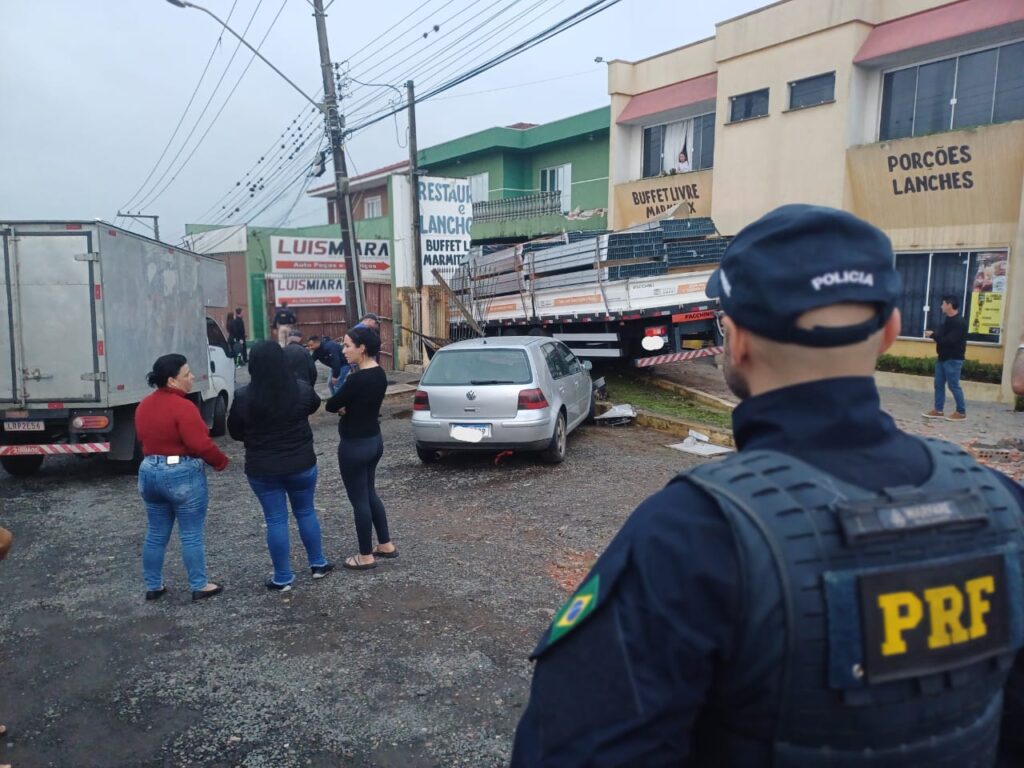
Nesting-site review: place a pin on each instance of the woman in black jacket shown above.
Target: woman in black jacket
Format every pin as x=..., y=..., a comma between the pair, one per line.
x=271, y=416
x=362, y=446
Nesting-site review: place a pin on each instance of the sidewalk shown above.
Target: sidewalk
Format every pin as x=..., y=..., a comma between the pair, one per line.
x=987, y=424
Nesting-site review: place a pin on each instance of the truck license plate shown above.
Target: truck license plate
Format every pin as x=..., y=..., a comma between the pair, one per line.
x=23, y=426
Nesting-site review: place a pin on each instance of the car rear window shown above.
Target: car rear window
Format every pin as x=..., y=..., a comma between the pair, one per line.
x=478, y=367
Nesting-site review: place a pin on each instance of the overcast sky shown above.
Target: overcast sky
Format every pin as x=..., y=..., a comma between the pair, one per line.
x=92, y=91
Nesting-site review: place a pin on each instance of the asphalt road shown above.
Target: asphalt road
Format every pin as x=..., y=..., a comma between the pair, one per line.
x=421, y=662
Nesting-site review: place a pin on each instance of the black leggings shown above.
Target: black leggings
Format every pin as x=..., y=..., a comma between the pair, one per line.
x=358, y=459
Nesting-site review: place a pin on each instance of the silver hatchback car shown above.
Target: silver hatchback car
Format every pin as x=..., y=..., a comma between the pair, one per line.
x=518, y=393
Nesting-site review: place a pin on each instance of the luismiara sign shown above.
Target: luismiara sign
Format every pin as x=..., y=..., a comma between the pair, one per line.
x=310, y=271
x=446, y=216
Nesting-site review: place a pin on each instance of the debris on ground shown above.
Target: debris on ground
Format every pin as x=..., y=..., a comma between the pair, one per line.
x=617, y=415
x=568, y=569
x=699, y=444
x=1005, y=456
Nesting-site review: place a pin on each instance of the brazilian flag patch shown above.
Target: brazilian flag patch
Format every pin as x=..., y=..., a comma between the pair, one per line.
x=581, y=605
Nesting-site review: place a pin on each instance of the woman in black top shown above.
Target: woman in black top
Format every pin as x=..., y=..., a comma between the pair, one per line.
x=271, y=416
x=362, y=446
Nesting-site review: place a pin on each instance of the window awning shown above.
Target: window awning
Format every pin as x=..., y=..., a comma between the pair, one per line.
x=669, y=97
x=960, y=19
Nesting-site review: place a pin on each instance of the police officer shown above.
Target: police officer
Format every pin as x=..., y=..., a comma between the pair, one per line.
x=837, y=593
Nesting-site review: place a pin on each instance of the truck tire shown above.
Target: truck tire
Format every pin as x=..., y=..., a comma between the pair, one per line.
x=21, y=466
x=220, y=418
x=555, y=452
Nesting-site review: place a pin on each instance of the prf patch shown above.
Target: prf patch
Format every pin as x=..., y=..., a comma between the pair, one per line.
x=580, y=605
x=923, y=620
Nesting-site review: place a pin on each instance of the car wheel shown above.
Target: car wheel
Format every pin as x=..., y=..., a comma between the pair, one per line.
x=220, y=418
x=428, y=455
x=21, y=466
x=555, y=452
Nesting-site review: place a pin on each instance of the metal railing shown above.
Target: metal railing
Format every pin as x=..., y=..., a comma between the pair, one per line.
x=524, y=207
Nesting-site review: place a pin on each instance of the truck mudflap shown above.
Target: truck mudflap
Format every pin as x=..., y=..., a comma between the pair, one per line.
x=53, y=449
x=675, y=357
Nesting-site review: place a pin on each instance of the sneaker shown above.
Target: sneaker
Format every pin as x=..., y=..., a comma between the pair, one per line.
x=275, y=587
x=933, y=414
x=956, y=416
x=319, y=571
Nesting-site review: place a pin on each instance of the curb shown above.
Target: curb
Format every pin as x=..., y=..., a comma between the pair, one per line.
x=696, y=395
x=677, y=427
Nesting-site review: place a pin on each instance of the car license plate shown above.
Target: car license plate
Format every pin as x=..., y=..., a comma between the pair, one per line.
x=483, y=429
x=23, y=426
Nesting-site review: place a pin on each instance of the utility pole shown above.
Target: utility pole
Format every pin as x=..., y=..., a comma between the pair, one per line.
x=156, y=221
x=335, y=129
x=414, y=185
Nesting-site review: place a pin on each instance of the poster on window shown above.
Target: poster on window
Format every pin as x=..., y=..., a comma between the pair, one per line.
x=988, y=287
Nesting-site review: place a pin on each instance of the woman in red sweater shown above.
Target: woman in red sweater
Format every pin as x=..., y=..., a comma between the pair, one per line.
x=172, y=476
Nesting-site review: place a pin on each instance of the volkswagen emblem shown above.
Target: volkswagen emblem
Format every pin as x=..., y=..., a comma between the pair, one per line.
x=471, y=395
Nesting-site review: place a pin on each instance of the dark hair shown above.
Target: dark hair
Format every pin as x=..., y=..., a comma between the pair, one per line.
x=364, y=336
x=370, y=316
x=952, y=300
x=315, y=338
x=166, y=367
x=238, y=310
x=284, y=303
x=272, y=386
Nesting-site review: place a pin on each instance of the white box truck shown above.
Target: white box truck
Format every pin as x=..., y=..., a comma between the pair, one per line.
x=85, y=309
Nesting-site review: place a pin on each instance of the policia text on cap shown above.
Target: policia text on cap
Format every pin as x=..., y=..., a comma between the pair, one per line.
x=838, y=593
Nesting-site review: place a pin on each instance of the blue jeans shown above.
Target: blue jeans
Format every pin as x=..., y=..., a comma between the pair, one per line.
x=947, y=372
x=174, y=492
x=273, y=492
x=358, y=459
x=345, y=370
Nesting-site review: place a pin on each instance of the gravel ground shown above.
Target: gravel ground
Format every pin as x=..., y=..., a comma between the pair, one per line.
x=421, y=662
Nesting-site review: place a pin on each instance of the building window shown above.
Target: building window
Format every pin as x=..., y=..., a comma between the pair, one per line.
x=977, y=278
x=480, y=187
x=747, y=106
x=811, y=91
x=558, y=179
x=372, y=208
x=973, y=89
x=687, y=145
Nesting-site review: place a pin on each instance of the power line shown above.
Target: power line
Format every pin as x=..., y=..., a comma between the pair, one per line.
x=184, y=113
x=565, y=24
x=517, y=85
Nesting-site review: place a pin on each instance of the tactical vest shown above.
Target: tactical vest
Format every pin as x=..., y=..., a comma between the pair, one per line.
x=877, y=629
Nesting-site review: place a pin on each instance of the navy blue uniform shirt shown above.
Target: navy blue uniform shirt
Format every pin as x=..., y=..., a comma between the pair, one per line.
x=329, y=353
x=634, y=683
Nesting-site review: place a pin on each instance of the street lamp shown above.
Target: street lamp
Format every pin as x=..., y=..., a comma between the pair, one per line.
x=329, y=109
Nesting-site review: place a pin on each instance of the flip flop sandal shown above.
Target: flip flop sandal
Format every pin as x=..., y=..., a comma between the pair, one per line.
x=355, y=565
x=388, y=555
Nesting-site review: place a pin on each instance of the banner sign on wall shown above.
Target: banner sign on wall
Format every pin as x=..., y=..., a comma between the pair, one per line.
x=446, y=216
x=675, y=196
x=310, y=271
x=987, y=292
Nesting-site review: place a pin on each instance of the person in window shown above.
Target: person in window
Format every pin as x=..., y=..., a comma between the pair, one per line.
x=951, y=346
x=172, y=477
x=683, y=163
x=362, y=446
x=271, y=416
x=327, y=351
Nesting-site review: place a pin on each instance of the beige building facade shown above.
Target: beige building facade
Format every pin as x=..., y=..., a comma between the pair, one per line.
x=909, y=113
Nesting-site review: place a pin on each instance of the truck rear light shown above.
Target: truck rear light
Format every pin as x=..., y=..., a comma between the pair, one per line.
x=90, y=422
x=420, y=401
x=532, y=400
x=656, y=330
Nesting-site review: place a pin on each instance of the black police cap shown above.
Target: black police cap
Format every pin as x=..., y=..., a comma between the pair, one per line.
x=802, y=257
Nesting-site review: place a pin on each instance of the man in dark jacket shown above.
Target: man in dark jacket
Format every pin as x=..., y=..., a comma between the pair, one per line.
x=236, y=334
x=284, y=319
x=328, y=352
x=951, y=345
x=299, y=361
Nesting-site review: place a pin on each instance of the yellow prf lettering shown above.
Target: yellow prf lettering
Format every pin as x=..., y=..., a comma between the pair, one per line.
x=945, y=604
x=979, y=605
x=901, y=611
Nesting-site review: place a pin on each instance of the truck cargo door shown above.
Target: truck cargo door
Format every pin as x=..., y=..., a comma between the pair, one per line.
x=7, y=367
x=54, y=338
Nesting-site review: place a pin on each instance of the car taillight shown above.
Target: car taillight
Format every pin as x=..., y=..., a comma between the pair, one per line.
x=532, y=400
x=90, y=422
x=421, y=401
